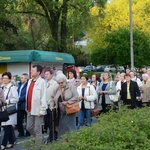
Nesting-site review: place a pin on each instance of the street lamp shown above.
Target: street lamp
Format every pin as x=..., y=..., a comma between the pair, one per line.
x=131, y=36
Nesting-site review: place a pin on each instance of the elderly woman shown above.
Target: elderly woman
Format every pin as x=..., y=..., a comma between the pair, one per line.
x=10, y=97
x=66, y=93
x=87, y=96
x=146, y=89
x=106, y=88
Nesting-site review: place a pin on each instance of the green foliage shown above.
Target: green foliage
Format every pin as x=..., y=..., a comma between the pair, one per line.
x=127, y=129
x=117, y=48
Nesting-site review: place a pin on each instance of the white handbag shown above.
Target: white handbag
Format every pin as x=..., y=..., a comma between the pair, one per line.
x=114, y=97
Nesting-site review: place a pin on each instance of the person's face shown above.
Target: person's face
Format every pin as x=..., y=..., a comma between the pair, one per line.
x=145, y=78
x=61, y=83
x=34, y=72
x=48, y=76
x=117, y=78
x=144, y=70
x=122, y=77
x=132, y=74
x=105, y=76
x=6, y=80
x=23, y=79
x=70, y=75
x=83, y=80
x=93, y=78
x=127, y=78
x=127, y=71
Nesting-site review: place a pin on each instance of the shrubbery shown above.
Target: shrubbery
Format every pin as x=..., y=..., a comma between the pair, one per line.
x=127, y=129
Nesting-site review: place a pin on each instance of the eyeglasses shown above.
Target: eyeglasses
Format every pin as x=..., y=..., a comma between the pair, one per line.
x=4, y=78
x=61, y=83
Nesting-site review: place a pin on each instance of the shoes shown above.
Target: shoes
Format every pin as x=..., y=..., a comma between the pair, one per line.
x=2, y=147
x=10, y=146
x=27, y=135
x=15, y=142
x=20, y=136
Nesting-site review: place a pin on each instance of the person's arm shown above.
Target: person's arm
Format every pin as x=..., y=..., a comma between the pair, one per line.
x=22, y=97
x=112, y=90
x=138, y=93
x=44, y=104
x=1, y=98
x=92, y=94
x=75, y=96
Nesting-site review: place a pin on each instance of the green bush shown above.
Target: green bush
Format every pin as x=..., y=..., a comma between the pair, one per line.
x=125, y=130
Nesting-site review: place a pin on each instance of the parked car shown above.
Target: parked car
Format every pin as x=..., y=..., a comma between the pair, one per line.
x=120, y=69
x=112, y=68
x=100, y=68
x=81, y=68
x=89, y=68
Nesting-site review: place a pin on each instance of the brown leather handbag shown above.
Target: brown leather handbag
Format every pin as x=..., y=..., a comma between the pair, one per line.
x=71, y=108
x=96, y=111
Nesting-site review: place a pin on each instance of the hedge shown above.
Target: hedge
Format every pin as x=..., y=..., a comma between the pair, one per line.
x=124, y=130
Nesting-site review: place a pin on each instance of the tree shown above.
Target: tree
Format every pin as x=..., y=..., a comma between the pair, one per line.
x=117, y=49
x=60, y=16
x=116, y=15
x=12, y=36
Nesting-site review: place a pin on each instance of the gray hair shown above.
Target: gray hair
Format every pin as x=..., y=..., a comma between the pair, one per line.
x=61, y=76
x=26, y=75
x=122, y=74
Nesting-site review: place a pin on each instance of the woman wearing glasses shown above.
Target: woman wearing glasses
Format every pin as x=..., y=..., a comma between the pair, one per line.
x=66, y=93
x=10, y=97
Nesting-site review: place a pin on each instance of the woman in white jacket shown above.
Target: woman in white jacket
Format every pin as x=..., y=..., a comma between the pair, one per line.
x=87, y=96
x=10, y=97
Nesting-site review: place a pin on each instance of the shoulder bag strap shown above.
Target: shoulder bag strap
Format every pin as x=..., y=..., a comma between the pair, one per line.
x=89, y=95
x=8, y=92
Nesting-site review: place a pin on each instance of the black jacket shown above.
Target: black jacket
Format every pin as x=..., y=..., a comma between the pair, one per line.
x=134, y=92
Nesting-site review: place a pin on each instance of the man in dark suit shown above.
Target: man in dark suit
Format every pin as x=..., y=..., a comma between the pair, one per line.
x=21, y=112
x=130, y=92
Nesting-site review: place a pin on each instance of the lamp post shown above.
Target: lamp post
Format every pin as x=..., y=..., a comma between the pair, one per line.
x=131, y=36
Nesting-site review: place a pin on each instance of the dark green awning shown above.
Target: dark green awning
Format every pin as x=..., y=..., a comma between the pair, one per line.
x=36, y=56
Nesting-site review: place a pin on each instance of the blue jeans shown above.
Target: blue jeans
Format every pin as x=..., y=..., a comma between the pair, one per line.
x=82, y=115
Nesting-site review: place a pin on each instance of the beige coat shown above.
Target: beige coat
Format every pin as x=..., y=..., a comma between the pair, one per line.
x=70, y=95
x=52, y=86
x=39, y=101
x=146, y=91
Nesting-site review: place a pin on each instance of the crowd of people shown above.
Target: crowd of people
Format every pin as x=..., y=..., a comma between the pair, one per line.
x=41, y=102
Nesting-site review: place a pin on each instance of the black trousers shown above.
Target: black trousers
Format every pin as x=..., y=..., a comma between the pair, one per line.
x=21, y=116
x=8, y=135
x=51, y=117
x=105, y=107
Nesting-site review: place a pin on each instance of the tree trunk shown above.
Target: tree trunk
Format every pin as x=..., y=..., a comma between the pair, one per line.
x=63, y=44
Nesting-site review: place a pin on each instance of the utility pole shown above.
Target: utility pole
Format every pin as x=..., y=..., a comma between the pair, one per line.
x=131, y=36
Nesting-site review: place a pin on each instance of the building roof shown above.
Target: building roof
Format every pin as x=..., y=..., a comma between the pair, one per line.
x=35, y=56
